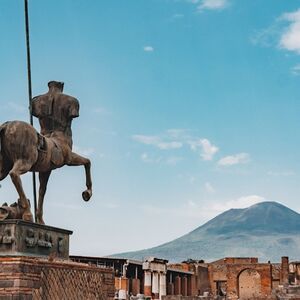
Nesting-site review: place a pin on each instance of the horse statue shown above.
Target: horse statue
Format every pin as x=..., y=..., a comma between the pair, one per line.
x=23, y=149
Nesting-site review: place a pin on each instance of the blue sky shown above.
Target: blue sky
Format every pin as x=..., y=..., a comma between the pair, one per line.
x=188, y=108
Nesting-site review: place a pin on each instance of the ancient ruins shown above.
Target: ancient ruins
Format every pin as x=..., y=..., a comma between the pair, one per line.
x=234, y=278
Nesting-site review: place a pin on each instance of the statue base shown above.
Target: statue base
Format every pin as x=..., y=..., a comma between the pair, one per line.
x=32, y=278
x=21, y=238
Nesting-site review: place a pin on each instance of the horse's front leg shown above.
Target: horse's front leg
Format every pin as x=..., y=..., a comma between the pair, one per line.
x=43, y=178
x=77, y=160
x=20, y=167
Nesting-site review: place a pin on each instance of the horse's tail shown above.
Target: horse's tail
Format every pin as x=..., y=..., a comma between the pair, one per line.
x=2, y=131
x=2, y=163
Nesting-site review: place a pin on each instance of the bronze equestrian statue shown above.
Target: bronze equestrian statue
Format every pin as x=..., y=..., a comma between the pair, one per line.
x=23, y=149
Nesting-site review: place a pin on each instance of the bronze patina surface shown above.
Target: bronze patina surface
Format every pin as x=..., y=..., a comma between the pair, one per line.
x=23, y=149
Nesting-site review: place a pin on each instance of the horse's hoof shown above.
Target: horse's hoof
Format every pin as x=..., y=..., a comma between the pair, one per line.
x=27, y=216
x=40, y=221
x=86, y=195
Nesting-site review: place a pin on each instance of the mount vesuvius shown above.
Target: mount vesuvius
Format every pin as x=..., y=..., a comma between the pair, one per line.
x=267, y=230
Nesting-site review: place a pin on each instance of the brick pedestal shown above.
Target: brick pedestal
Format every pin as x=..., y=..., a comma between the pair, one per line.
x=30, y=278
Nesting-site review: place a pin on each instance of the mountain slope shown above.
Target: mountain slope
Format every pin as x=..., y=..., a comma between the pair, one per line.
x=267, y=230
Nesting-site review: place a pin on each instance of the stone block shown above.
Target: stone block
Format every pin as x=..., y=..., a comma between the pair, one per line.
x=21, y=238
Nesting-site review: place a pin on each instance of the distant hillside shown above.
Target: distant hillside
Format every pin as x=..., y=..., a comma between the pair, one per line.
x=267, y=230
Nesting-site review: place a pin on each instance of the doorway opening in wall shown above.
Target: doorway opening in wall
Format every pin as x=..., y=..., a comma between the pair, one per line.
x=221, y=286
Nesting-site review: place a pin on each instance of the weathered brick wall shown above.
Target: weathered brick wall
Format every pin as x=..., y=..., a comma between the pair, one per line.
x=216, y=272
x=233, y=272
x=33, y=278
x=249, y=284
x=284, y=274
x=241, y=260
x=203, y=281
x=229, y=273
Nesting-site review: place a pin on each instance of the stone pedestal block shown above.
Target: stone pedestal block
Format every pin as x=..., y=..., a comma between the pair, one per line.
x=21, y=238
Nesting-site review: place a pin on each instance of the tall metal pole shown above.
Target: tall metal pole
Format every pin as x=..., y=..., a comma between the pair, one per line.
x=30, y=94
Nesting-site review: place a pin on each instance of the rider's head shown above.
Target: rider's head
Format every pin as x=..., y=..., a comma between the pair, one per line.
x=56, y=85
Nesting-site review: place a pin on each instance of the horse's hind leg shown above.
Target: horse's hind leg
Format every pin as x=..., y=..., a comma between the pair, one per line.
x=20, y=167
x=43, y=177
x=77, y=160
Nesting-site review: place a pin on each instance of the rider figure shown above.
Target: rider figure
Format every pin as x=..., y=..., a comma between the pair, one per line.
x=55, y=110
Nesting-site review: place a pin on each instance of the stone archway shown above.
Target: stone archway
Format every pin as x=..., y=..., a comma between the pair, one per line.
x=249, y=283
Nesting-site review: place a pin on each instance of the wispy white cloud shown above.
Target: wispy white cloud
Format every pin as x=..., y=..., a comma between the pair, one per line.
x=267, y=37
x=154, y=159
x=209, y=188
x=157, y=142
x=290, y=39
x=146, y=158
x=212, y=5
x=242, y=202
x=178, y=16
x=169, y=145
x=284, y=33
x=176, y=139
x=146, y=139
x=240, y=158
x=198, y=210
x=177, y=133
x=296, y=70
x=208, y=150
x=148, y=49
x=173, y=160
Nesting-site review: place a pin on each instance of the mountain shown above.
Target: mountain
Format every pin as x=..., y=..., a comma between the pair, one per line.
x=266, y=230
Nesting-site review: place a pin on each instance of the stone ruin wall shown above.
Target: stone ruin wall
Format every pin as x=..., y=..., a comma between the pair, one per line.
x=39, y=279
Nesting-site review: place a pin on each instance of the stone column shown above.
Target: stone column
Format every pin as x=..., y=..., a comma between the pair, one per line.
x=184, y=286
x=162, y=285
x=284, y=278
x=171, y=285
x=177, y=285
x=170, y=288
x=155, y=286
x=297, y=273
x=190, y=285
x=123, y=288
x=147, y=283
x=135, y=286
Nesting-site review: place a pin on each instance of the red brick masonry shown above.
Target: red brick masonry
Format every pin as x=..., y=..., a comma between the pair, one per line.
x=26, y=278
